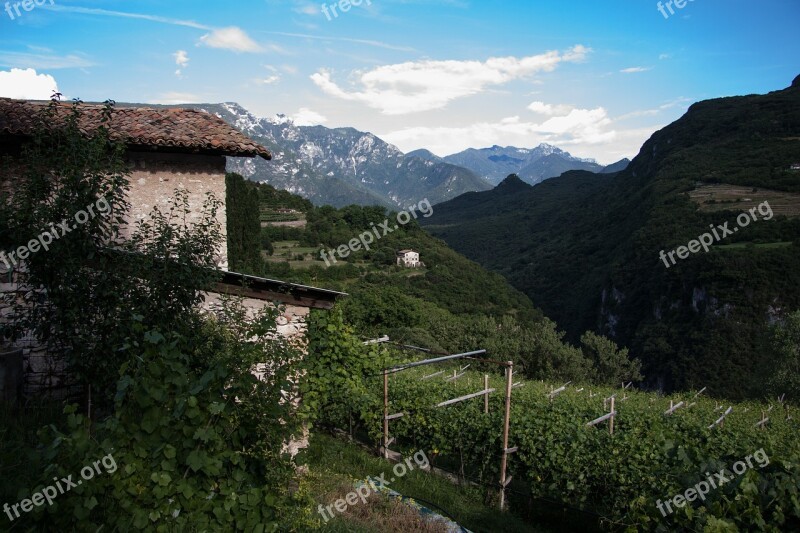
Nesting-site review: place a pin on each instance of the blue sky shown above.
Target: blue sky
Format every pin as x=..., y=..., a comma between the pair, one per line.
x=596, y=78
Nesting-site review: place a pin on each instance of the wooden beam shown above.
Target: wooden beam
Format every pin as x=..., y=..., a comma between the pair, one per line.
x=721, y=419
x=379, y=340
x=465, y=398
x=601, y=419
x=672, y=409
x=486, y=397
x=385, y=414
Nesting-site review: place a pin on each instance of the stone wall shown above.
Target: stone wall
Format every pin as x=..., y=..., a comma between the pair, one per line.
x=290, y=324
x=155, y=177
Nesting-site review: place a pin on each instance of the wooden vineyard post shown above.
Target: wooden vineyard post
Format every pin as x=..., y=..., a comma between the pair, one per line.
x=385, y=414
x=764, y=419
x=506, y=423
x=486, y=398
x=611, y=421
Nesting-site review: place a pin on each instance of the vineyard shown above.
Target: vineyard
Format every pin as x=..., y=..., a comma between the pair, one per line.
x=659, y=448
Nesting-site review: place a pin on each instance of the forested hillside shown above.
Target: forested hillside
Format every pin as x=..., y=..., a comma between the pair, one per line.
x=451, y=304
x=586, y=248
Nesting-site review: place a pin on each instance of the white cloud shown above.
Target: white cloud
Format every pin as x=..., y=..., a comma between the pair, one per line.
x=548, y=109
x=583, y=132
x=577, y=54
x=307, y=117
x=27, y=84
x=182, y=60
x=417, y=86
x=230, y=38
x=633, y=70
x=270, y=80
x=664, y=56
x=308, y=9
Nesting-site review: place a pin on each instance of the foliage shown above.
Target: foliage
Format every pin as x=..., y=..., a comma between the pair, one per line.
x=787, y=344
x=449, y=281
x=585, y=247
x=197, y=439
x=335, y=369
x=243, y=223
x=650, y=456
x=612, y=364
x=93, y=283
x=196, y=436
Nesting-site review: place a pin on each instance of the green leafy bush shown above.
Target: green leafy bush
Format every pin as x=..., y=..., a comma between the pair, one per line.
x=196, y=436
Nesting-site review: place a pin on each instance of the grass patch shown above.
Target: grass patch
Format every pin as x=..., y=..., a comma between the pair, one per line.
x=724, y=197
x=336, y=465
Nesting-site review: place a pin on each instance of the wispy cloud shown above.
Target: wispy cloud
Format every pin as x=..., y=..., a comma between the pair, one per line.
x=634, y=70
x=307, y=8
x=43, y=61
x=269, y=80
x=109, y=13
x=680, y=101
x=366, y=42
x=417, y=86
x=230, y=38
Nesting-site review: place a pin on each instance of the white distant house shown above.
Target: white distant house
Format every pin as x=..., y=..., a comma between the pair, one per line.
x=409, y=259
x=796, y=166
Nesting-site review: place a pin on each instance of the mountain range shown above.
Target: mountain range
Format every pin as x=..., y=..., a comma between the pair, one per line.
x=531, y=165
x=586, y=247
x=341, y=166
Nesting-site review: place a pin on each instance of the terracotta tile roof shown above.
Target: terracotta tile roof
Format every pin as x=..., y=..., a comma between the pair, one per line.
x=163, y=129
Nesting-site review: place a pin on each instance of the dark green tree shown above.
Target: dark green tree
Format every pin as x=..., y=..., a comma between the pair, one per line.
x=243, y=224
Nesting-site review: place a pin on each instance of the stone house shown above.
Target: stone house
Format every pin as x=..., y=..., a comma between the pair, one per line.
x=409, y=259
x=166, y=149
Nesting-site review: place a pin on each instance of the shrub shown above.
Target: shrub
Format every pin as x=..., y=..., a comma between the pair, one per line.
x=195, y=437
